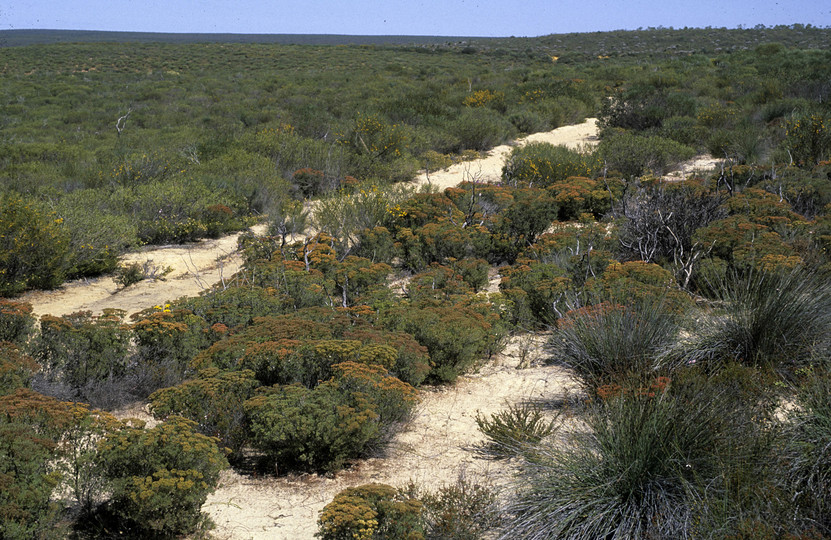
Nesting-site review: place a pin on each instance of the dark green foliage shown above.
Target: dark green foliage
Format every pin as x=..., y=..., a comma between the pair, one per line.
x=456, y=336
x=808, y=138
x=33, y=246
x=82, y=350
x=462, y=511
x=542, y=164
x=47, y=453
x=536, y=291
x=237, y=305
x=27, y=477
x=160, y=477
x=513, y=429
x=370, y=512
x=806, y=459
x=214, y=400
x=336, y=421
x=650, y=461
x=166, y=341
x=634, y=155
x=317, y=429
x=480, y=129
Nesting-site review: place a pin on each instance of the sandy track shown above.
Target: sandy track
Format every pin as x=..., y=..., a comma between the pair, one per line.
x=489, y=168
x=198, y=266
x=195, y=267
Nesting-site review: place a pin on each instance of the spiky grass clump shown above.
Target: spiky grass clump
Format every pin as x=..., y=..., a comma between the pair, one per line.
x=628, y=476
x=807, y=455
x=605, y=342
x=769, y=318
x=514, y=429
x=647, y=462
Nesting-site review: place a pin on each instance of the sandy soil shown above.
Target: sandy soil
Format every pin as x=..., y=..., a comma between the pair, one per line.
x=434, y=449
x=489, y=168
x=437, y=445
x=195, y=267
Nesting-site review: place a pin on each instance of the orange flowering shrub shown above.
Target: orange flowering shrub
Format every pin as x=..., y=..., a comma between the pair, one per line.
x=371, y=511
x=16, y=368
x=391, y=398
x=168, y=339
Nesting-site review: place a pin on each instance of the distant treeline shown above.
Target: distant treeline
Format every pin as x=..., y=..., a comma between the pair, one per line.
x=17, y=38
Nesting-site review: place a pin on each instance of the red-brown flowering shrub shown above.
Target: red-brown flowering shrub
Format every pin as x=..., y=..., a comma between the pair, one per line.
x=16, y=321
x=16, y=368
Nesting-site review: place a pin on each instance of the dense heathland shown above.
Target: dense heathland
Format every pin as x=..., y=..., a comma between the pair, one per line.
x=694, y=314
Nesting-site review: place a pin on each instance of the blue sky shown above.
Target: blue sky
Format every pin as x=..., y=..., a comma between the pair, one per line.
x=427, y=17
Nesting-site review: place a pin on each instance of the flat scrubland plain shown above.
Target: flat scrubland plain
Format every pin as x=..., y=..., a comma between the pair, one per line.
x=564, y=287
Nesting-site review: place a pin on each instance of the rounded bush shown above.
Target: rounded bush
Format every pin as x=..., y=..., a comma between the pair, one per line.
x=33, y=246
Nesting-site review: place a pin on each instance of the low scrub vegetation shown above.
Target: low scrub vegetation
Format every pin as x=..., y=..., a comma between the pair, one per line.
x=694, y=314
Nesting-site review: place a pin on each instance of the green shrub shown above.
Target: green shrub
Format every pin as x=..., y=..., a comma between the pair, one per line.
x=16, y=321
x=98, y=231
x=807, y=455
x=641, y=465
x=808, y=139
x=159, y=478
x=371, y=512
x=305, y=429
x=455, y=336
x=83, y=350
x=392, y=399
x=214, y=400
x=480, y=128
x=134, y=272
x=536, y=291
x=33, y=246
x=578, y=195
x=461, y=511
x=634, y=155
x=166, y=341
x=510, y=430
x=47, y=453
x=640, y=282
x=27, y=472
x=235, y=306
x=543, y=164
